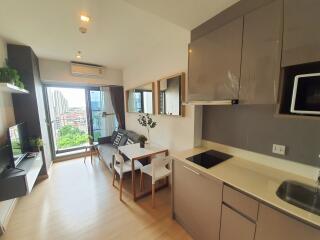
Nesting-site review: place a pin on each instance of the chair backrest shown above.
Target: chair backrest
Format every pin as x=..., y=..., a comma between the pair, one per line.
x=160, y=162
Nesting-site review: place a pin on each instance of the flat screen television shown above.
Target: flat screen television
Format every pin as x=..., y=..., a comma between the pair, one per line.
x=18, y=141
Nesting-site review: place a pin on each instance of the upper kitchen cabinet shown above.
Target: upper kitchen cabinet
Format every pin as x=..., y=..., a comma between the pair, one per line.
x=214, y=64
x=301, y=37
x=261, y=54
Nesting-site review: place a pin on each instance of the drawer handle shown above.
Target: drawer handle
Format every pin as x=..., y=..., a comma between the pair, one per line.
x=191, y=170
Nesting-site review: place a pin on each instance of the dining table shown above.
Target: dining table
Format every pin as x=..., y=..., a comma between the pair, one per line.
x=135, y=153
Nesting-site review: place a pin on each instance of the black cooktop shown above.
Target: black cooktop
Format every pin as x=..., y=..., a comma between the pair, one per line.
x=209, y=159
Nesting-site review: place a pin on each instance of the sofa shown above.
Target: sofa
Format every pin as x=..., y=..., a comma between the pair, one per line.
x=107, y=147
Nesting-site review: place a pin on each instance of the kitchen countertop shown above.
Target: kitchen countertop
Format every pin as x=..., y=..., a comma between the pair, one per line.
x=257, y=180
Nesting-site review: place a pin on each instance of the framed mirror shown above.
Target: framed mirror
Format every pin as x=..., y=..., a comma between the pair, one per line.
x=141, y=99
x=171, y=94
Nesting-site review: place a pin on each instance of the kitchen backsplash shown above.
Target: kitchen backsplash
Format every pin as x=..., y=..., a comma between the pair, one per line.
x=256, y=128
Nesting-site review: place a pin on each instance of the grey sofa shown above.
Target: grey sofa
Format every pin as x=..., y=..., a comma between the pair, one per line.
x=106, y=148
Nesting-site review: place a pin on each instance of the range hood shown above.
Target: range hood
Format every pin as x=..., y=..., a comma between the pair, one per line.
x=218, y=102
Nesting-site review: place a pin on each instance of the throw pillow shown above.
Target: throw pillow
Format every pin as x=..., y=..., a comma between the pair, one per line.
x=117, y=140
x=129, y=141
x=113, y=136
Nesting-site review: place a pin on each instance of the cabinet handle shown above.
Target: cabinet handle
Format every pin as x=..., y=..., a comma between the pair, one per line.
x=191, y=170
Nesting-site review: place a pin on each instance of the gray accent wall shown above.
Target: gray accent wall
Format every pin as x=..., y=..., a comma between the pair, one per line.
x=256, y=128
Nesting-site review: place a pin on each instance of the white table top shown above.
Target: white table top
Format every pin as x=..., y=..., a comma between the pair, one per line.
x=133, y=151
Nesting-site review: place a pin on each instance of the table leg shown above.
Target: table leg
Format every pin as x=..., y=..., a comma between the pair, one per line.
x=91, y=153
x=133, y=180
x=85, y=156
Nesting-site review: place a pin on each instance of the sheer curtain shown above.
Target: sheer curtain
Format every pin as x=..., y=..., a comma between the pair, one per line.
x=109, y=120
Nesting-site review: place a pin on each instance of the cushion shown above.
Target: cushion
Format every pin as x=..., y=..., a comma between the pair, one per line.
x=129, y=141
x=113, y=136
x=107, y=151
x=123, y=140
x=117, y=140
x=133, y=136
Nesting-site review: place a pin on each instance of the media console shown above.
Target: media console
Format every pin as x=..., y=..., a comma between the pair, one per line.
x=19, y=181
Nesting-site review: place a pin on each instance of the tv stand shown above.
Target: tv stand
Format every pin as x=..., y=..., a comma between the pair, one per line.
x=19, y=181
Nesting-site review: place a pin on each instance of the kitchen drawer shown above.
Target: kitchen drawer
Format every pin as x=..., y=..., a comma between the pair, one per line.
x=241, y=202
x=235, y=226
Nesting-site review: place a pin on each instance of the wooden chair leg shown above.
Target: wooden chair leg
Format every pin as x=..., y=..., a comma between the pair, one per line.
x=153, y=193
x=114, y=177
x=121, y=184
x=141, y=181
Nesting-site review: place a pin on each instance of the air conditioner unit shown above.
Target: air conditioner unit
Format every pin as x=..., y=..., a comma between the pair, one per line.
x=87, y=70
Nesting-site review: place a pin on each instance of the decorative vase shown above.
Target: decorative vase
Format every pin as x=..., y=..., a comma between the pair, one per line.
x=142, y=144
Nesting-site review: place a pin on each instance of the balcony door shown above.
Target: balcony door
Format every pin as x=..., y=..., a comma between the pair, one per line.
x=68, y=118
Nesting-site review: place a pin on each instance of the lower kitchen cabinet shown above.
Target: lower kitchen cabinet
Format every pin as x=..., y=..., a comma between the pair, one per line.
x=197, y=202
x=278, y=226
x=235, y=226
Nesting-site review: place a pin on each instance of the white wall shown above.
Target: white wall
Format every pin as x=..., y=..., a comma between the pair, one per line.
x=176, y=133
x=58, y=72
x=6, y=120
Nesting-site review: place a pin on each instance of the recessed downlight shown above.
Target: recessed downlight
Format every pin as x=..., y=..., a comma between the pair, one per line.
x=78, y=55
x=84, y=18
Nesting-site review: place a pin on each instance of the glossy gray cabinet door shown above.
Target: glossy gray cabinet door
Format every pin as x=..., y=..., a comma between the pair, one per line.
x=278, y=226
x=261, y=54
x=196, y=202
x=235, y=226
x=214, y=64
x=301, y=37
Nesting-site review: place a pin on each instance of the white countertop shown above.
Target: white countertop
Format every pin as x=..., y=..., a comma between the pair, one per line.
x=259, y=181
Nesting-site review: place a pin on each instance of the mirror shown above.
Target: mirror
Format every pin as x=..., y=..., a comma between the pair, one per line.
x=171, y=95
x=140, y=99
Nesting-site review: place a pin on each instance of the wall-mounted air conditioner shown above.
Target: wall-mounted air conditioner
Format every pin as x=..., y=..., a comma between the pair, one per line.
x=87, y=70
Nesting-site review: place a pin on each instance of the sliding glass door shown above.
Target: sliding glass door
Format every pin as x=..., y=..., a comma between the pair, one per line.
x=78, y=116
x=68, y=118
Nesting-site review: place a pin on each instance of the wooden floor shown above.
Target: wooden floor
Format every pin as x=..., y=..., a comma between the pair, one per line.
x=79, y=202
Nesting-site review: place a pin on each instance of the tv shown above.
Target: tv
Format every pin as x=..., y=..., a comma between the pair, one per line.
x=18, y=141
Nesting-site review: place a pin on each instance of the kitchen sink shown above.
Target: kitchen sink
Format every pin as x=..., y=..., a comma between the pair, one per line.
x=300, y=195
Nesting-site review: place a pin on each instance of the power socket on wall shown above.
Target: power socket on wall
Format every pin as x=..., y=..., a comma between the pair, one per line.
x=279, y=149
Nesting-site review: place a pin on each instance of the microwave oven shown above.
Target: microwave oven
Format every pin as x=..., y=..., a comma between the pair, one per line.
x=306, y=94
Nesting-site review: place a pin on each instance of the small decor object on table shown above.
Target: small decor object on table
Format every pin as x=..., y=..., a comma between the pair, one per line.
x=142, y=139
x=146, y=121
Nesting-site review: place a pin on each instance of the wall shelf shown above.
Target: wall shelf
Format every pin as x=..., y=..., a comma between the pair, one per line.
x=7, y=87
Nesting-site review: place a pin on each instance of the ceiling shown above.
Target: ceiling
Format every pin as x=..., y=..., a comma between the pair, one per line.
x=120, y=33
x=185, y=13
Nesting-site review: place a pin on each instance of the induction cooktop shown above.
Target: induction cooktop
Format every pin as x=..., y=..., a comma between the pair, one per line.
x=209, y=159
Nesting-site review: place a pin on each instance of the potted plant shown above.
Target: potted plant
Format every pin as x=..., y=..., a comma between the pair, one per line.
x=36, y=144
x=142, y=139
x=10, y=75
x=146, y=121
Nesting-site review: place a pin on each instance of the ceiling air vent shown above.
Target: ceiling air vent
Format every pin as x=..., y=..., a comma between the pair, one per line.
x=87, y=70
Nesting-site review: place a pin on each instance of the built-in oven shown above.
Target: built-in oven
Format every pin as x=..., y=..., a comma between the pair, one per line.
x=306, y=94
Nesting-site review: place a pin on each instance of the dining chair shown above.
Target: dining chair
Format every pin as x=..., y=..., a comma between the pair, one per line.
x=159, y=168
x=120, y=166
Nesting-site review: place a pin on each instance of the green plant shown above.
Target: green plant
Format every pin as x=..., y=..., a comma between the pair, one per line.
x=142, y=138
x=146, y=121
x=10, y=75
x=70, y=136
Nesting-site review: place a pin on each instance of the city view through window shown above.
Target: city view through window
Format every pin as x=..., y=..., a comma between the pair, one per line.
x=68, y=113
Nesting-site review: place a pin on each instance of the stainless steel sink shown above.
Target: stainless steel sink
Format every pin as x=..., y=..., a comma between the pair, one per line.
x=300, y=195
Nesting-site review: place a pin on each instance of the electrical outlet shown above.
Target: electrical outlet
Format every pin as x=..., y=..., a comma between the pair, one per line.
x=279, y=149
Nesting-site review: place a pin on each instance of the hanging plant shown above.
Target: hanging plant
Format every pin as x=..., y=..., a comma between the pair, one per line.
x=10, y=75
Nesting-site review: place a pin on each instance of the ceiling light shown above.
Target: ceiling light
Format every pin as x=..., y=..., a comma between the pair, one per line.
x=85, y=18
x=78, y=56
